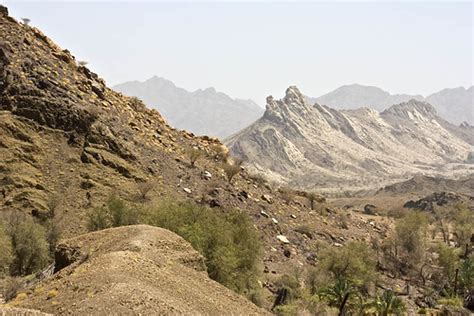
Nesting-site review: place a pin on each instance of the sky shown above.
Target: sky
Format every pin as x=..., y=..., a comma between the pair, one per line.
x=255, y=49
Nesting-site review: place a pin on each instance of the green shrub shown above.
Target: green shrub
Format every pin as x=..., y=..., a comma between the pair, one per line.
x=389, y=304
x=228, y=241
x=355, y=262
x=30, y=247
x=410, y=236
x=6, y=252
x=116, y=213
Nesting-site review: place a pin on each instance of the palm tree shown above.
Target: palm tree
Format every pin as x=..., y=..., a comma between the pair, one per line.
x=338, y=295
x=388, y=304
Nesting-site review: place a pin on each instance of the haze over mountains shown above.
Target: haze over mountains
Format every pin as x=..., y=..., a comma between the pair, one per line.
x=454, y=105
x=317, y=146
x=213, y=113
x=203, y=112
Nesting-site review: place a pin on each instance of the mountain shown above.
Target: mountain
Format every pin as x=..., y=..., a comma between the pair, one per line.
x=317, y=146
x=356, y=96
x=203, y=112
x=454, y=105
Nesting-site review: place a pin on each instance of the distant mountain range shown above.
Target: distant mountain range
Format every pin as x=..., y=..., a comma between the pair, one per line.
x=454, y=105
x=203, y=112
x=317, y=146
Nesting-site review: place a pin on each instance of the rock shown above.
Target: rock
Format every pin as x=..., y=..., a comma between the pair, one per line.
x=274, y=220
x=187, y=190
x=264, y=214
x=287, y=253
x=244, y=194
x=206, y=175
x=214, y=203
x=336, y=244
x=3, y=10
x=370, y=209
x=283, y=239
x=293, y=216
x=268, y=198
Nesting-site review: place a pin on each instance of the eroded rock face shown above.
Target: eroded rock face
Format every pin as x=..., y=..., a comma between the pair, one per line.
x=317, y=146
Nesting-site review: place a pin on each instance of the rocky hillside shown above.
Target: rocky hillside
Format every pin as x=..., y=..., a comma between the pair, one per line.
x=203, y=112
x=317, y=146
x=454, y=105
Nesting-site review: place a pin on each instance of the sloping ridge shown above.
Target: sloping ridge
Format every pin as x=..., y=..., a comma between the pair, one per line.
x=134, y=269
x=314, y=145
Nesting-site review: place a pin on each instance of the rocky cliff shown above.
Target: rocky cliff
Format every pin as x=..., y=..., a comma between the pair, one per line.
x=315, y=145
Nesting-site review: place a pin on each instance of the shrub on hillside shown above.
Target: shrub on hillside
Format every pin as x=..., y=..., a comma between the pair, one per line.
x=114, y=214
x=228, y=241
x=6, y=251
x=231, y=169
x=355, y=262
x=193, y=155
x=30, y=247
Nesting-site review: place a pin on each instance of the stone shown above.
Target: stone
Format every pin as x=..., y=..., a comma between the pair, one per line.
x=268, y=198
x=293, y=216
x=206, y=175
x=264, y=214
x=283, y=239
x=274, y=220
x=187, y=190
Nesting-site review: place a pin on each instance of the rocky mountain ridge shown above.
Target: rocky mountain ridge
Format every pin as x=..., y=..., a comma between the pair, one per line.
x=317, y=146
x=203, y=112
x=455, y=105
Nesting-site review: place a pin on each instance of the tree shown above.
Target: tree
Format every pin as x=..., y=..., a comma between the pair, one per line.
x=338, y=294
x=6, y=252
x=355, y=262
x=314, y=197
x=463, y=227
x=29, y=244
x=410, y=236
x=388, y=304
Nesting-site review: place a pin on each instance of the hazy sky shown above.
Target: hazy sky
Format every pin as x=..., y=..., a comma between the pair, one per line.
x=251, y=50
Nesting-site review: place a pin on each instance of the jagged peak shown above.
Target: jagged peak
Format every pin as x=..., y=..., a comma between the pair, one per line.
x=412, y=107
x=294, y=95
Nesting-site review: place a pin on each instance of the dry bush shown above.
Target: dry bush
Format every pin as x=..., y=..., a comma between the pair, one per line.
x=258, y=178
x=314, y=197
x=144, y=188
x=231, y=169
x=193, y=155
x=221, y=153
x=287, y=194
x=9, y=287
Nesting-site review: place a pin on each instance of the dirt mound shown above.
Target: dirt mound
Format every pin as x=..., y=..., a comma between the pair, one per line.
x=133, y=269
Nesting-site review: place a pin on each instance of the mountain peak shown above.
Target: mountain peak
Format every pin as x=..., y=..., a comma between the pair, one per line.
x=413, y=109
x=293, y=95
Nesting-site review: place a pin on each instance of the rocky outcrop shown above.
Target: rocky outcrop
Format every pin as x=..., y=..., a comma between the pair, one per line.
x=314, y=145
